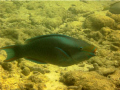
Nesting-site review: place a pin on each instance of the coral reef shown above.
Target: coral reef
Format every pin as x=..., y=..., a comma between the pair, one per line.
x=84, y=20
x=87, y=80
x=97, y=21
x=115, y=78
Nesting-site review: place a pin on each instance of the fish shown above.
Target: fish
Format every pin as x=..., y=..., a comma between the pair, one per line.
x=115, y=8
x=56, y=49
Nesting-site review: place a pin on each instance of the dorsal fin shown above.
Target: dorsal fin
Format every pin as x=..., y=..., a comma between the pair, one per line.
x=43, y=36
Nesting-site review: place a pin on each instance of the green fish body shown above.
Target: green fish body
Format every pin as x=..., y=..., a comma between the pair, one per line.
x=115, y=8
x=55, y=49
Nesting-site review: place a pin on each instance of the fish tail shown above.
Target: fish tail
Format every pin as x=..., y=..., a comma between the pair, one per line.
x=12, y=52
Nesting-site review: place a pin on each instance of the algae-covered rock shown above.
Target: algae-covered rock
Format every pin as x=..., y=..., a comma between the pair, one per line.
x=62, y=88
x=96, y=66
x=97, y=60
x=26, y=71
x=114, y=36
x=116, y=17
x=76, y=9
x=74, y=25
x=114, y=48
x=41, y=86
x=34, y=67
x=96, y=21
x=7, y=7
x=52, y=22
x=5, y=41
x=103, y=52
x=95, y=35
x=7, y=66
x=38, y=78
x=88, y=80
x=115, y=78
x=29, y=85
x=106, y=30
x=106, y=71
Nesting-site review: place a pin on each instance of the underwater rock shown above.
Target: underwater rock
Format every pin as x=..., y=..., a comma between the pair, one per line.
x=35, y=79
x=26, y=71
x=76, y=10
x=114, y=48
x=105, y=30
x=15, y=89
x=77, y=78
x=74, y=87
x=118, y=26
x=106, y=71
x=22, y=76
x=116, y=17
x=97, y=60
x=4, y=41
x=29, y=85
x=116, y=44
x=96, y=21
x=95, y=35
x=40, y=69
x=110, y=63
x=96, y=66
x=81, y=65
x=116, y=59
x=114, y=36
x=34, y=67
x=73, y=25
x=1, y=85
x=38, y=78
x=7, y=66
x=83, y=8
x=41, y=86
x=52, y=22
x=103, y=52
x=36, y=72
x=115, y=77
x=62, y=88
x=30, y=7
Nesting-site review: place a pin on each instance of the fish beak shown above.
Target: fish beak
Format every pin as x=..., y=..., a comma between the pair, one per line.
x=95, y=51
x=92, y=54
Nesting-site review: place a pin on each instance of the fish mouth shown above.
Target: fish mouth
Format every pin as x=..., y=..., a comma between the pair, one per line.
x=94, y=52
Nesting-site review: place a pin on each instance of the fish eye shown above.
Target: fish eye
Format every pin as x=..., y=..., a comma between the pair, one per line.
x=81, y=48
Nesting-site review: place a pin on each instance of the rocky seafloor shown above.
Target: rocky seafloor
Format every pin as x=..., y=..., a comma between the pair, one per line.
x=85, y=20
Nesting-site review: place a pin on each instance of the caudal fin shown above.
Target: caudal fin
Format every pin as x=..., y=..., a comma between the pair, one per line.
x=10, y=53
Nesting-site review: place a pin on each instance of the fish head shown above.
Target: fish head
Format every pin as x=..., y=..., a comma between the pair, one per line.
x=84, y=53
x=90, y=51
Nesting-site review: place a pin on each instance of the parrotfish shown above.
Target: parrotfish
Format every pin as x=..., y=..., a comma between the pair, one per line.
x=55, y=49
x=115, y=8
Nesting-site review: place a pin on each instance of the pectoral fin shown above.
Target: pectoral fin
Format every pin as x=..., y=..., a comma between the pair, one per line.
x=62, y=53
